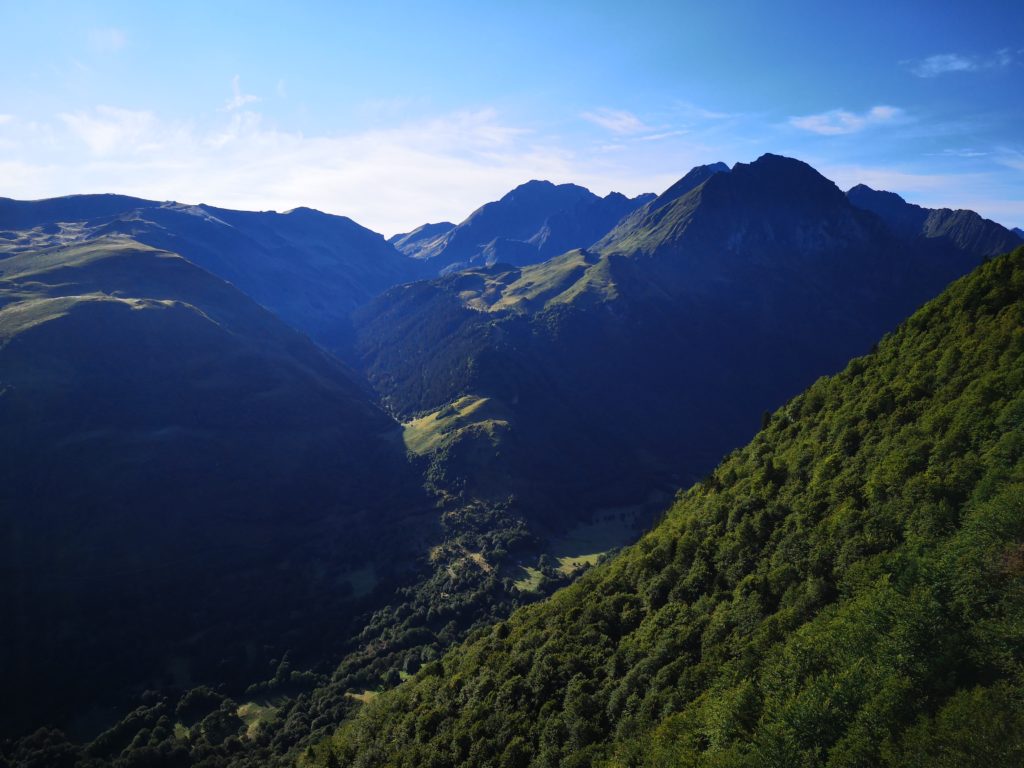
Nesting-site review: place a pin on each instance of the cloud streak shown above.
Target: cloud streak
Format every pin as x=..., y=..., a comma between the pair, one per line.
x=238, y=99
x=109, y=129
x=618, y=121
x=839, y=122
x=107, y=39
x=945, y=63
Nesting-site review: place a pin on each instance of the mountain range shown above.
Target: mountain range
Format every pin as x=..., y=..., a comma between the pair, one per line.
x=532, y=223
x=309, y=268
x=279, y=458
x=642, y=359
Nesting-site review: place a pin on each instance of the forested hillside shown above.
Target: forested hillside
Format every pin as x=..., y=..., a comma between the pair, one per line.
x=846, y=590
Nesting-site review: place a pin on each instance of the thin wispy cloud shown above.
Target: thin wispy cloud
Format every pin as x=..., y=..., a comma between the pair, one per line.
x=107, y=130
x=618, y=121
x=1011, y=158
x=107, y=39
x=945, y=63
x=693, y=111
x=663, y=135
x=6, y=119
x=965, y=152
x=626, y=126
x=238, y=99
x=838, y=122
x=391, y=179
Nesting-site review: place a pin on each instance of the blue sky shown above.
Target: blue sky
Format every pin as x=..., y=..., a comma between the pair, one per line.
x=402, y=113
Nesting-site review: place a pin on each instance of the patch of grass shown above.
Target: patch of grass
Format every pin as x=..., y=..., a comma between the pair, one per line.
x=556, y=281
x=429, y=432
x=585, y=543
x=365, y=697
x=580, y=546
x=252, y=714
x=530, y=580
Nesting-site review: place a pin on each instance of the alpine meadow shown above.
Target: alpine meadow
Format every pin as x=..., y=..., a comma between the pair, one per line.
x=511, y=386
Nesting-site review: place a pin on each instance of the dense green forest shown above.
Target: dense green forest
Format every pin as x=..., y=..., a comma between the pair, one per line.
x=846, y=590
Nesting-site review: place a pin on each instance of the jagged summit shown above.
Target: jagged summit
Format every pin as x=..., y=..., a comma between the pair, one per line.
x=774, y=201
x=690, y=181
x=531, y=223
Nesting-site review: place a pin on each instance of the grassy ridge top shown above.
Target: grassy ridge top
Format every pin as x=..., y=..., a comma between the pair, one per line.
x=847, y=589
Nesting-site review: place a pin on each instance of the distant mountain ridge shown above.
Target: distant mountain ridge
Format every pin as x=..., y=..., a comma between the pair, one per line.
x=533, y=222
x=935, y=226
x=310, y=268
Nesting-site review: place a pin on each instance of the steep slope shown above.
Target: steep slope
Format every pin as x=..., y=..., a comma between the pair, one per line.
x=533, y=222
x=422, y=239
x=935, y=228
x=643, y=361
x=1018, y=232
x=693, y=179
x=181, y=473
x=309, y=268
x=846, y=590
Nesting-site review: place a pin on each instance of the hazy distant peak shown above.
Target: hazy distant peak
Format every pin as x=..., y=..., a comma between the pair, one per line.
x=965, y=228
x=25, y=214
x=303, y=210
x=422, y=240
x=424, y=230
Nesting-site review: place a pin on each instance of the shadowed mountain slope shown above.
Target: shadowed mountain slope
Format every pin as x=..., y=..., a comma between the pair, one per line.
x=181, y=469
